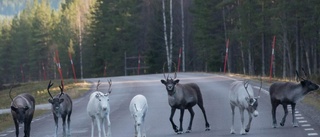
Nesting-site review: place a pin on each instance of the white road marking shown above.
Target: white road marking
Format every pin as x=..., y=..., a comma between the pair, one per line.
x=303, y=121
x=312, y=134
x=306, y=125
x=308, y=129
x=299, y=118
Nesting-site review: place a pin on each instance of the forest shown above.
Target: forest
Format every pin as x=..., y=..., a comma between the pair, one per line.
x=111, y=37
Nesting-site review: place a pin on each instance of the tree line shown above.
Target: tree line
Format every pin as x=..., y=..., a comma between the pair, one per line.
x=97, y=34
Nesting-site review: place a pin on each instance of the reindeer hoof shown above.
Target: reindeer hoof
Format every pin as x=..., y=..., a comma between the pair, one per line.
x=179, y=132
x=247, y=130
x=207, y=128
x=281, y=124
x=295, y=125
x=188, y=131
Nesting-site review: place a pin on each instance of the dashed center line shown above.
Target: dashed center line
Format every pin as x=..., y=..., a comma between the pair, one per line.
x=312, y=134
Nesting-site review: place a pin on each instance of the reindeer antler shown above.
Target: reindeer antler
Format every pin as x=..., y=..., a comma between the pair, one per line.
x=10, y=93
x=98, y=85
x=305, y=74
x=245, y=84
x=175, y=70
x=298, y=75
x=110, y=83
x=61, y=89
x=164, y=74
x=49, y=86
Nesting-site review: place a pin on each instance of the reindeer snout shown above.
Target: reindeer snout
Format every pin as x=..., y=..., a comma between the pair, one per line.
x=104, y=109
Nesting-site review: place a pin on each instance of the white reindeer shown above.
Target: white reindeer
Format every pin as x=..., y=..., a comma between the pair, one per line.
x=138, y=108
x=241, y=96
x=98, y=109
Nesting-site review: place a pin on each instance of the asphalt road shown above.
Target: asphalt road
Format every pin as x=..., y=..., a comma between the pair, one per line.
x=215, y=94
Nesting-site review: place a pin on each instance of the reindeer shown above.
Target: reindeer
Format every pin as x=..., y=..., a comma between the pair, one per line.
x=61, y=107
x=98, y=109
x=138, y=108
x=289, y=93
x=241, y=96
x=183, y=96
x=22, y=110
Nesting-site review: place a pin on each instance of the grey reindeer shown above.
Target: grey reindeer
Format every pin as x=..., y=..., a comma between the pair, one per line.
x=22, y=109
x=61, y=107
x=289, y=93
x=183, y=96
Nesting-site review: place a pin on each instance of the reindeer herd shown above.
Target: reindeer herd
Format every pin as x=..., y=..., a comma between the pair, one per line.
x=180, y=96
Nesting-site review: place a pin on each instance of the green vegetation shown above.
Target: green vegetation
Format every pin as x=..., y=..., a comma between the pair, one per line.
x=97, y=33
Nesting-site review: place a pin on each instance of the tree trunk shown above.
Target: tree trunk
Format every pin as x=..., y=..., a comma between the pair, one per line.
x=297, y=45
x=182, y=36
x=243, y=60
x=284, y=66
x=171, y=24
x=165, y=32
x=263, y=71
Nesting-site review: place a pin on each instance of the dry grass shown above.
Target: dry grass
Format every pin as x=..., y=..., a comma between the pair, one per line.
x=39, y=91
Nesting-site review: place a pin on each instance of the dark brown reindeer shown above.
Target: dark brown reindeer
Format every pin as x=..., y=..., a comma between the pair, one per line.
x=61, y=107
x=183, y=96
x=22, y=109
x=289, y=93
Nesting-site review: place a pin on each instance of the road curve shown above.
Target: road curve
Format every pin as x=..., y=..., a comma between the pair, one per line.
x=215, y=94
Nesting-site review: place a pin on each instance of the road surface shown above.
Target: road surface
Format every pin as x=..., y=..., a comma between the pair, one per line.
x=215, y=94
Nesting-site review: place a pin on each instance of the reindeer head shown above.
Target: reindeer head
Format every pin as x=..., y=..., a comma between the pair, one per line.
x=252, y=101
x=305, y=83
x=20, y=111
x=56, y=101
x=103, y=98
x=169, y=83
x=139, y=114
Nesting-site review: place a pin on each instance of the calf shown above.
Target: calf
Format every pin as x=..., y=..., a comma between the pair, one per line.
x=22, y=109
x=241, y=96
x=61, y=107
x=289, y=93
x=138, y=108
x=98, y=109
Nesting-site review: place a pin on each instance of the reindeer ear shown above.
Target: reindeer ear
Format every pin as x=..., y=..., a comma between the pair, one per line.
x=61, y=100
x=176, y=81
x=50, y=100
x=303, y=83
x=13, y=108
x=163, y=81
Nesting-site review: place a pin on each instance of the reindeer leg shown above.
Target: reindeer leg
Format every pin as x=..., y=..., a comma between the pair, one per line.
x=242, y=131
x=69, y=133
x=191, y=119
x=103, y=123
x=92, y=126
x=175, y=128
x=274, y=118
x=205, y=116
x=56, y=122
x=27, y=125
x=64, y=125
x=109, y=126
x=17, y=126
x=99, y=126
x=181, y=121
x=249, y=123
x=285, y=114
x=294, y=122
x=232, y=124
